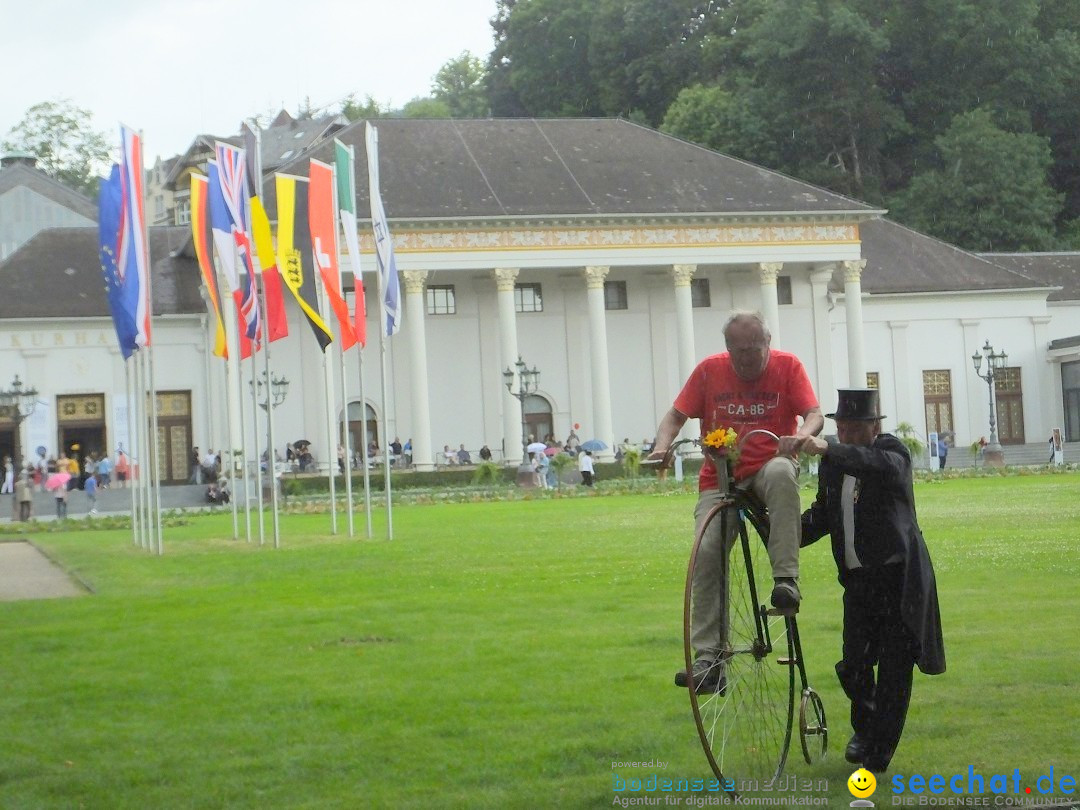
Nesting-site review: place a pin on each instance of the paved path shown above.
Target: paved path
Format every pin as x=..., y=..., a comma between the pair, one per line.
x=26, y=573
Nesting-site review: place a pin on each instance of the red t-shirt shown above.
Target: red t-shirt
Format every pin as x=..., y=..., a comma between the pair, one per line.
x=715, y=395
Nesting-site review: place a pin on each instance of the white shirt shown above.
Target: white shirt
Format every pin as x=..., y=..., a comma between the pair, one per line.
x=584, y=462
x=847, y=504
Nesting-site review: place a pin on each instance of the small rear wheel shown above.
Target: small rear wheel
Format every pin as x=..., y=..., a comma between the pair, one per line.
x=813, y=727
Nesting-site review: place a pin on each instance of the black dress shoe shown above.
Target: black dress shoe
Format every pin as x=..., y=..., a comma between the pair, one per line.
x=856, y=749
x=708, y=677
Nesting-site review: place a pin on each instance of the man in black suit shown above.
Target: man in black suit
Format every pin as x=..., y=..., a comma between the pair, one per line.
x=866, y=503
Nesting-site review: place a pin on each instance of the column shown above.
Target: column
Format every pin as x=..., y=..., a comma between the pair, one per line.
x=820, y=306
x=418, y=372
x=684, y=317
x=601, y=384
x=908, y=390
x=1044, y=376
x=505, y=279
x=853, y=307
x=770, y=308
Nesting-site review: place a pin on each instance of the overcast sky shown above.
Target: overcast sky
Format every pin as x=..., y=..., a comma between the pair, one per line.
x=176, y=68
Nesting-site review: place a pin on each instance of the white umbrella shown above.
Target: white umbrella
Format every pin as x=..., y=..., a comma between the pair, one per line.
x=536, y=447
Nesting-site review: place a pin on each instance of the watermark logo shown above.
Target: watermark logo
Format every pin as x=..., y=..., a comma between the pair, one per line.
x=862, y=784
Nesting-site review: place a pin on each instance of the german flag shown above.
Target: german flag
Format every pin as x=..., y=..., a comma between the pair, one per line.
x=200, y=232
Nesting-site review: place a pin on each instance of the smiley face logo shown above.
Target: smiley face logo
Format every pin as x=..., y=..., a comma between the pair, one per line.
x=862, y=783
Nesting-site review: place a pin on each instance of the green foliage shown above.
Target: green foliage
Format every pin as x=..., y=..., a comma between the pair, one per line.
x=460, y=86
x=906, y=432
x=990, y=191
x=487, y=472
x=426, y=108
x=631, y=461
x=560, y=463
x=59, y=134
x=356, y=110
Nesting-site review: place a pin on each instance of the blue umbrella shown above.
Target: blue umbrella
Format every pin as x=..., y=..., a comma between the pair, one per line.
x=593, y=445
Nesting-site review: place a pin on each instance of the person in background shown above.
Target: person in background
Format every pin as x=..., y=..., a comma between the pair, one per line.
x=90, y=488
x=485, y=453
x=24, y=494
x=9, y=476
x=123, y=468
x=585, y=467
x=942, y=451
x=463, y=456
x=104, y=471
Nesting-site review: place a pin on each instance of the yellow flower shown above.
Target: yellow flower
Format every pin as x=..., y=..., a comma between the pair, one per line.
x=721, y=438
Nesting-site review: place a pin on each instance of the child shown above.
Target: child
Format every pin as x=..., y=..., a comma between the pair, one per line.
x=61, y=502
x=90, y=488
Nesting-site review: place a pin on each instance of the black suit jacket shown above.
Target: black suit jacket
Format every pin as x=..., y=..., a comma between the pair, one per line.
x=885, y=526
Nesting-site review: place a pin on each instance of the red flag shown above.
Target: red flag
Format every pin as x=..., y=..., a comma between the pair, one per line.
x=323, y=227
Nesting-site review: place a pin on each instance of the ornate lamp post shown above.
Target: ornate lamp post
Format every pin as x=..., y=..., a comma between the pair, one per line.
x=995, y=362
x=528, y=380
x=269, y=394
x=19, y=403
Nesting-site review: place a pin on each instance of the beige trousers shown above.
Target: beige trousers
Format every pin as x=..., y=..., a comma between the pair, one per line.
x=776, y=484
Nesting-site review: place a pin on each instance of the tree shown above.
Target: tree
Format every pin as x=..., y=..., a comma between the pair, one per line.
x=356, y=110
x=426, y=107
x=60, y=136
x=461, y=85
x=990, y=191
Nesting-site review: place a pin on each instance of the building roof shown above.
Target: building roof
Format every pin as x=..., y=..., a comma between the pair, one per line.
x=21, y=174
x=286, y=138
x=61, y=265
x=493, y=168
x=900, y=260
x=1057, y=269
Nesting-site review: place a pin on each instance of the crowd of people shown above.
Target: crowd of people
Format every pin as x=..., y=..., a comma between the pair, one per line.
x=61, y=475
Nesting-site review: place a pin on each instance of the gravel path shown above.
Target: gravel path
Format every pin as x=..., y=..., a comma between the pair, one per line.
x=26, y=573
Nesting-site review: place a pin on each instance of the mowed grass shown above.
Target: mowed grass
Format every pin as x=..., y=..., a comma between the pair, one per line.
x=492, y=655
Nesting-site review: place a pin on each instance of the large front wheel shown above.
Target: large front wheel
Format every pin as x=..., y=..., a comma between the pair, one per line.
x=744, y=724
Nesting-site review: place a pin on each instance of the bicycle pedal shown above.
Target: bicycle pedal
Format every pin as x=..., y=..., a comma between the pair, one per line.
x=775, y=611
x=787, y=662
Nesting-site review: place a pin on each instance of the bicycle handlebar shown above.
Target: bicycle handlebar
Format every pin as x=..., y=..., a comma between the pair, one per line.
x=665, y=461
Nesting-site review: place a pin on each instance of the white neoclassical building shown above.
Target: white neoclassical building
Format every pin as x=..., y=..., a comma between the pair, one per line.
x=604, y=254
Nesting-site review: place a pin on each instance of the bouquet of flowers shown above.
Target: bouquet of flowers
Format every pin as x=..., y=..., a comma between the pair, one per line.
x=720, y=444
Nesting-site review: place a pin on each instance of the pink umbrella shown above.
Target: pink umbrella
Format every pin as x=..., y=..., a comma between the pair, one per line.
x=552, y=451
x=57, y=480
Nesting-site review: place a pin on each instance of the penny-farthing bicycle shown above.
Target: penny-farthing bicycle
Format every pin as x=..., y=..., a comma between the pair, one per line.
x=745, y=723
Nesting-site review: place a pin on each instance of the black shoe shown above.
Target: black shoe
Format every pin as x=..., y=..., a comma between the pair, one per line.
x=855, y=752
x=785, y=593
x=708, y=677
x=875, y=764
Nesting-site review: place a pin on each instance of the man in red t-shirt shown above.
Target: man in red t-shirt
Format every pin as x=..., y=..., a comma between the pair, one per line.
x=748, y=387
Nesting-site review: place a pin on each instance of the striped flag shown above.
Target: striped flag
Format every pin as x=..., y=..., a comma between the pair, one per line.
x=384, y=246
x=232, y=174
x=294, y=252
x=133, y=230
x=200, y=232
x=323, y=227
x=277, y=324
x=345, y=164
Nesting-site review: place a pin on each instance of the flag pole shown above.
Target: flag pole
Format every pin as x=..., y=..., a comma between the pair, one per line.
x=345, y=435
x=132, y=421
x=271, y=451
x=328, y=388
x=255, y=428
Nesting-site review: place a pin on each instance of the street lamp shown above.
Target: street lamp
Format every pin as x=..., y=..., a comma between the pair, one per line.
x=272, y=394
x=995, y=362
x=18, y=403
x=528, y=380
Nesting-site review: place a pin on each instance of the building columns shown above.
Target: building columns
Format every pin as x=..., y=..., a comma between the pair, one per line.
x=770, y=307
x=505, y=279
x=601, y=383
x=820, y=305
x=853, y=307
x=418, y=371
x=681, y=274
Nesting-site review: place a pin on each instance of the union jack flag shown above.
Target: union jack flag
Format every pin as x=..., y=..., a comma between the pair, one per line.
x=232, y=175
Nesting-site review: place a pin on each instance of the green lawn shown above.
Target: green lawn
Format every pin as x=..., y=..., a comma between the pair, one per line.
x=495, y=655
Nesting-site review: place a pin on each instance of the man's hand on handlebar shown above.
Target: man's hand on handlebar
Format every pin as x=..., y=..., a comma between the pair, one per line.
x=792, y=445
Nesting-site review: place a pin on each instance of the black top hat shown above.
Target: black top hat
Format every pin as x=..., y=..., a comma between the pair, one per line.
x=856, y=403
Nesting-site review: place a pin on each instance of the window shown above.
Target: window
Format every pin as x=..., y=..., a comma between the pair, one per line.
x=527, y=298
x=872, y=380
x=783, y=289
x=183, y=212
x=615, y=295
x=1070, y=394
x=699, y=293
x=1010, y=405
x=440, y=299
x=937, y=400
